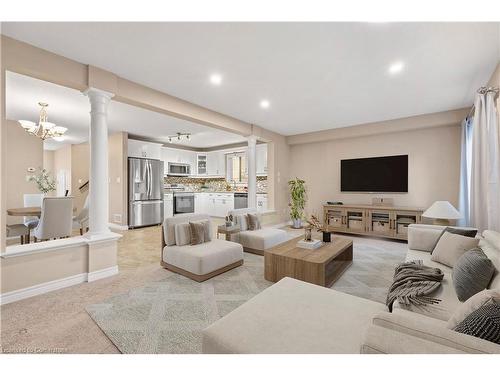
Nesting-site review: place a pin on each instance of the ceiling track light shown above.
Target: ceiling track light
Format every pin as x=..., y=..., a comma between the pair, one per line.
x=179, y=137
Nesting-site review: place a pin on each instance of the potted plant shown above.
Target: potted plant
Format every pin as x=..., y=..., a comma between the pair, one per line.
x=298, y=197
x=314, y=222
x=43, y=181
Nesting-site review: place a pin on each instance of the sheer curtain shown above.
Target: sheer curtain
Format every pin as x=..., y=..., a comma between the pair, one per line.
x=485, y=164
x=465, y=172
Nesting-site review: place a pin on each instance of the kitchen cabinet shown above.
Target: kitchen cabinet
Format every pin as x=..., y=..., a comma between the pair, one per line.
x=261, y=202
x=224, y=202
x=216, y=164
x=200, y=203
x=168, y=205
x=141, y=149
x=201, y=164
x=261, y=159
x=219, y=204
x=210, y=204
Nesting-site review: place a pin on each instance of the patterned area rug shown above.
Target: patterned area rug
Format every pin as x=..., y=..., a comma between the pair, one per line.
x=168, y=316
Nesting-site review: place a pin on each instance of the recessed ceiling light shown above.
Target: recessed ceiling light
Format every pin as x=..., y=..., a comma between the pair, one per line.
x=216, y=79
x=264, y=104
x=396, y=67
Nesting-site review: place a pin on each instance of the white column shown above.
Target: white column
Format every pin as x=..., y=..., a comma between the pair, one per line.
x=98, y=141
x=252, y=172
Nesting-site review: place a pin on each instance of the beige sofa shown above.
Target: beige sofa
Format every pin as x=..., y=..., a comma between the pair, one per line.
x=198, y=262
x=257, y=241
x=296, y=317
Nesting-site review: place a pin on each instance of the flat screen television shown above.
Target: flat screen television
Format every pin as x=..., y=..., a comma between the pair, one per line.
x=387, y=174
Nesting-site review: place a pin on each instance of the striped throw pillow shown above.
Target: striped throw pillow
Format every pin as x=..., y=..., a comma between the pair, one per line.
x=483, y=323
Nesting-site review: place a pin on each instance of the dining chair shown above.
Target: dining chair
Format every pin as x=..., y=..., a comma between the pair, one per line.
x=81, y=221
x=56, y=220
x=32, y=200
x=20, y=230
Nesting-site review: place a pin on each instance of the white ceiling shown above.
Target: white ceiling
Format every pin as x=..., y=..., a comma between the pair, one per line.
x=70, y=108
x=315, y=75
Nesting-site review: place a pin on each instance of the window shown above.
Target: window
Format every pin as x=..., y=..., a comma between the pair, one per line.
x=237, y=167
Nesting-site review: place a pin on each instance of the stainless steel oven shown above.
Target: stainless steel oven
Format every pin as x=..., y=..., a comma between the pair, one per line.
x=179, y=169
x=183, y=203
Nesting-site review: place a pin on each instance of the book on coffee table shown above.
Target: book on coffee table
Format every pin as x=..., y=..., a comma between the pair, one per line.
x=313, y=244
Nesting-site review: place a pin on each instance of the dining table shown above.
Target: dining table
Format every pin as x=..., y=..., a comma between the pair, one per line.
x=27, y=211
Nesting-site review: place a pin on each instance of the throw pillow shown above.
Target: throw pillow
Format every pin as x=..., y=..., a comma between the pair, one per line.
x=253, y=222
x=450, y=247
x=463, y=232
x=206, y=224
x=197, y=233
x=472, y=304
x=472, y=273
x=182, y=234
x=483, y=323
x=241, y=220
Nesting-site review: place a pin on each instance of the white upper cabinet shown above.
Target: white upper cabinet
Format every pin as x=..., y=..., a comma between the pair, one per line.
x=141, y=149
x=216, y=163
x=201, y=164
x=261, y=159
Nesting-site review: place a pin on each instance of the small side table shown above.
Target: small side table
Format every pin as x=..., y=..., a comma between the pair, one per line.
x=228, y=231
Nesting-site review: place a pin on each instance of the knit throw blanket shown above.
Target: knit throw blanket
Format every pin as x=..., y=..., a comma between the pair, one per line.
x=413, y=282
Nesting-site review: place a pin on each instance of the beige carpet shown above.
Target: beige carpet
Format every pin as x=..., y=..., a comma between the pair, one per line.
x=168, y=316
x=58, y=322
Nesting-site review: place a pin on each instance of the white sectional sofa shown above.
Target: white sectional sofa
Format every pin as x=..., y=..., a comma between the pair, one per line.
x=296, y=317
x=198, y=262
x=257, y=241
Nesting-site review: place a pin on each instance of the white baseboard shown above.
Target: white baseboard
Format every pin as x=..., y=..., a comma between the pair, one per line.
x=50, y=286
x=101, y=274
x=17, y=295
x=117, y=226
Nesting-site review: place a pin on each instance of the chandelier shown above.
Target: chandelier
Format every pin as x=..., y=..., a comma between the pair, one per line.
x=43, y=129
x=179, y=137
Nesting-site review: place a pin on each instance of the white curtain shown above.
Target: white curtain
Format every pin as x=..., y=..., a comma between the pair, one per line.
x=485, y=166
x=465, y=172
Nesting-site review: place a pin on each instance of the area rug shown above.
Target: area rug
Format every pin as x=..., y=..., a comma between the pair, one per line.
x=168, y=316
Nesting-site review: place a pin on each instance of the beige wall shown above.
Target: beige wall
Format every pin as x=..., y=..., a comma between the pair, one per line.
x=22, y=152
x=117, y=151
x=62, y=165
x=48, y=161
x=80, y=161
x=433, y=170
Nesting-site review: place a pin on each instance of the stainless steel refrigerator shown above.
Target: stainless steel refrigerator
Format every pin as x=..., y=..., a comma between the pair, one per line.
x=145, y=192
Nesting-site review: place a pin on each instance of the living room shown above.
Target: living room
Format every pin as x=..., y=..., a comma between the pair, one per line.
x=376, y=145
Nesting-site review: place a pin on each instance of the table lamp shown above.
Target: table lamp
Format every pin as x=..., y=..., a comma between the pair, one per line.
x=442, y=212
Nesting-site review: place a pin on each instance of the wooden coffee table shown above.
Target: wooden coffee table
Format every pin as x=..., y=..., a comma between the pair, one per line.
x=321, y=266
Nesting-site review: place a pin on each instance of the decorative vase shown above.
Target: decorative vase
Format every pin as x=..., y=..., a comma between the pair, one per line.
x=297, y=223
x=307, y=233
x=327, y=237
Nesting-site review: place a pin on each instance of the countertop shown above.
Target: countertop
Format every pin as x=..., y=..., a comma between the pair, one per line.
x=210, y=192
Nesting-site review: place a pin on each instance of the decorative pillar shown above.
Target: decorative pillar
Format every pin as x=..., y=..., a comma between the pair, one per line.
x=98, y=177
x=252, y=172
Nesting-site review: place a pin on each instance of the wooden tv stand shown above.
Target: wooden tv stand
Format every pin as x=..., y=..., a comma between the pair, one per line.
x=381, y=221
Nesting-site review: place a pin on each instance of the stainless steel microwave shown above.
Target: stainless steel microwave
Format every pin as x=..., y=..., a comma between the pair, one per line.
x=179, y=169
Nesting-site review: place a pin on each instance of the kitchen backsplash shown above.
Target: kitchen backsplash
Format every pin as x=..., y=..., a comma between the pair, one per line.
x=212, y=184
